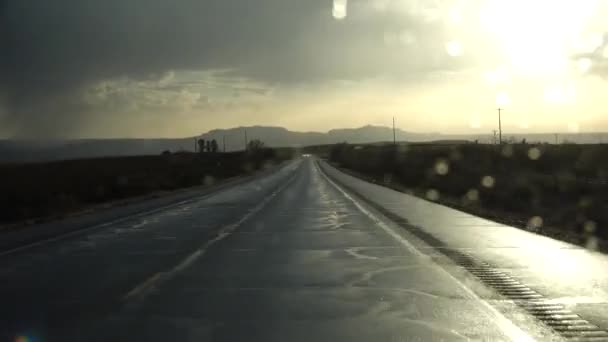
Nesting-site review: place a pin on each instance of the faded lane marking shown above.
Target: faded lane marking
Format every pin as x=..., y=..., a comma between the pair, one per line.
x=356, y=253
x=506, y=325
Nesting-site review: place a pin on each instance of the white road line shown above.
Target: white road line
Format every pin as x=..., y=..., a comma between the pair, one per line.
x=506, y=325
x=142, y=290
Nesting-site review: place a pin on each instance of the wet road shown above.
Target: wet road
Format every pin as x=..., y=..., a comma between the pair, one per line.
x=291, y=256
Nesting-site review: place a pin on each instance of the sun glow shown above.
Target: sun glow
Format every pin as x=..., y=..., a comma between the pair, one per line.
x=540, y=37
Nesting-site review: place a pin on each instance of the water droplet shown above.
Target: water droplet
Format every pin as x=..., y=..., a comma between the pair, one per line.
x=208, y=180
x=472, y=195
x=507, y=151
x=442, y=167
x=339, y=9
x=535, y=222
x=592, y=243
x=488, y=181
x=534, y=153
x=454, y=48
x=590, y=227
x=455, y=154
x=585, y=202
x=432, y=195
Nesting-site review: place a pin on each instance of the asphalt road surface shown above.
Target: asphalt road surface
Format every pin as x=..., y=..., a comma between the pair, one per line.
x=291, y=256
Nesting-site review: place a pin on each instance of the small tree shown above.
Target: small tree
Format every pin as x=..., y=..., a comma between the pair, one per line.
x=208, y=145
x=255, y=145
x=201, y=145
x=214, y=146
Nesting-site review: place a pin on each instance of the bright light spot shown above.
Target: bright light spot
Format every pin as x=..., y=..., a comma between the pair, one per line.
x=534, y=153
x=488, y=181
x=573, y=127
x=503, y=98
x=339, y=9
x=454, y=48
x=475, y=121
x=442, y=167
x=432, y=195
x=535, y=222
x=590, y=227
x=584, y=64
x=537, y=36
x=472, y=195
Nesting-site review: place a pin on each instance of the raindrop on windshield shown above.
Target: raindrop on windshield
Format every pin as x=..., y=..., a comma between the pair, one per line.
x=534, y=153
x=442, y=167
x=488, y=181
x=432, y=195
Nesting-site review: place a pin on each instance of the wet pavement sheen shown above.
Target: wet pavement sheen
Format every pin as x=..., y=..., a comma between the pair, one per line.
x=287, y=258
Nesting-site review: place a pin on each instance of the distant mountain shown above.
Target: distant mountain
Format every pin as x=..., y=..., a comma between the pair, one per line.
x=279, y=136
x=234, y=139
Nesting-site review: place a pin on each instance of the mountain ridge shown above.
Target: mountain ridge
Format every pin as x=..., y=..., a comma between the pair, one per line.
x=235, y=138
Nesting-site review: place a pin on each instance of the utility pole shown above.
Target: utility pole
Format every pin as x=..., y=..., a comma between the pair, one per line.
x=394, y=136
x=499, y=127
x=224, y=143
x=556, y=138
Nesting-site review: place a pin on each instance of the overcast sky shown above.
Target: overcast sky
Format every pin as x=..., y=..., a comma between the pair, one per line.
x=171, y=68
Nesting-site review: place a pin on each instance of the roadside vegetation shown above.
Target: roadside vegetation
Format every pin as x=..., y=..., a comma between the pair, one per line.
x=558, y=190
x=38, y=191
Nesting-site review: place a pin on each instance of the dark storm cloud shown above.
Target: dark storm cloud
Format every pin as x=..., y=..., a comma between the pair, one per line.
x=51, y=50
